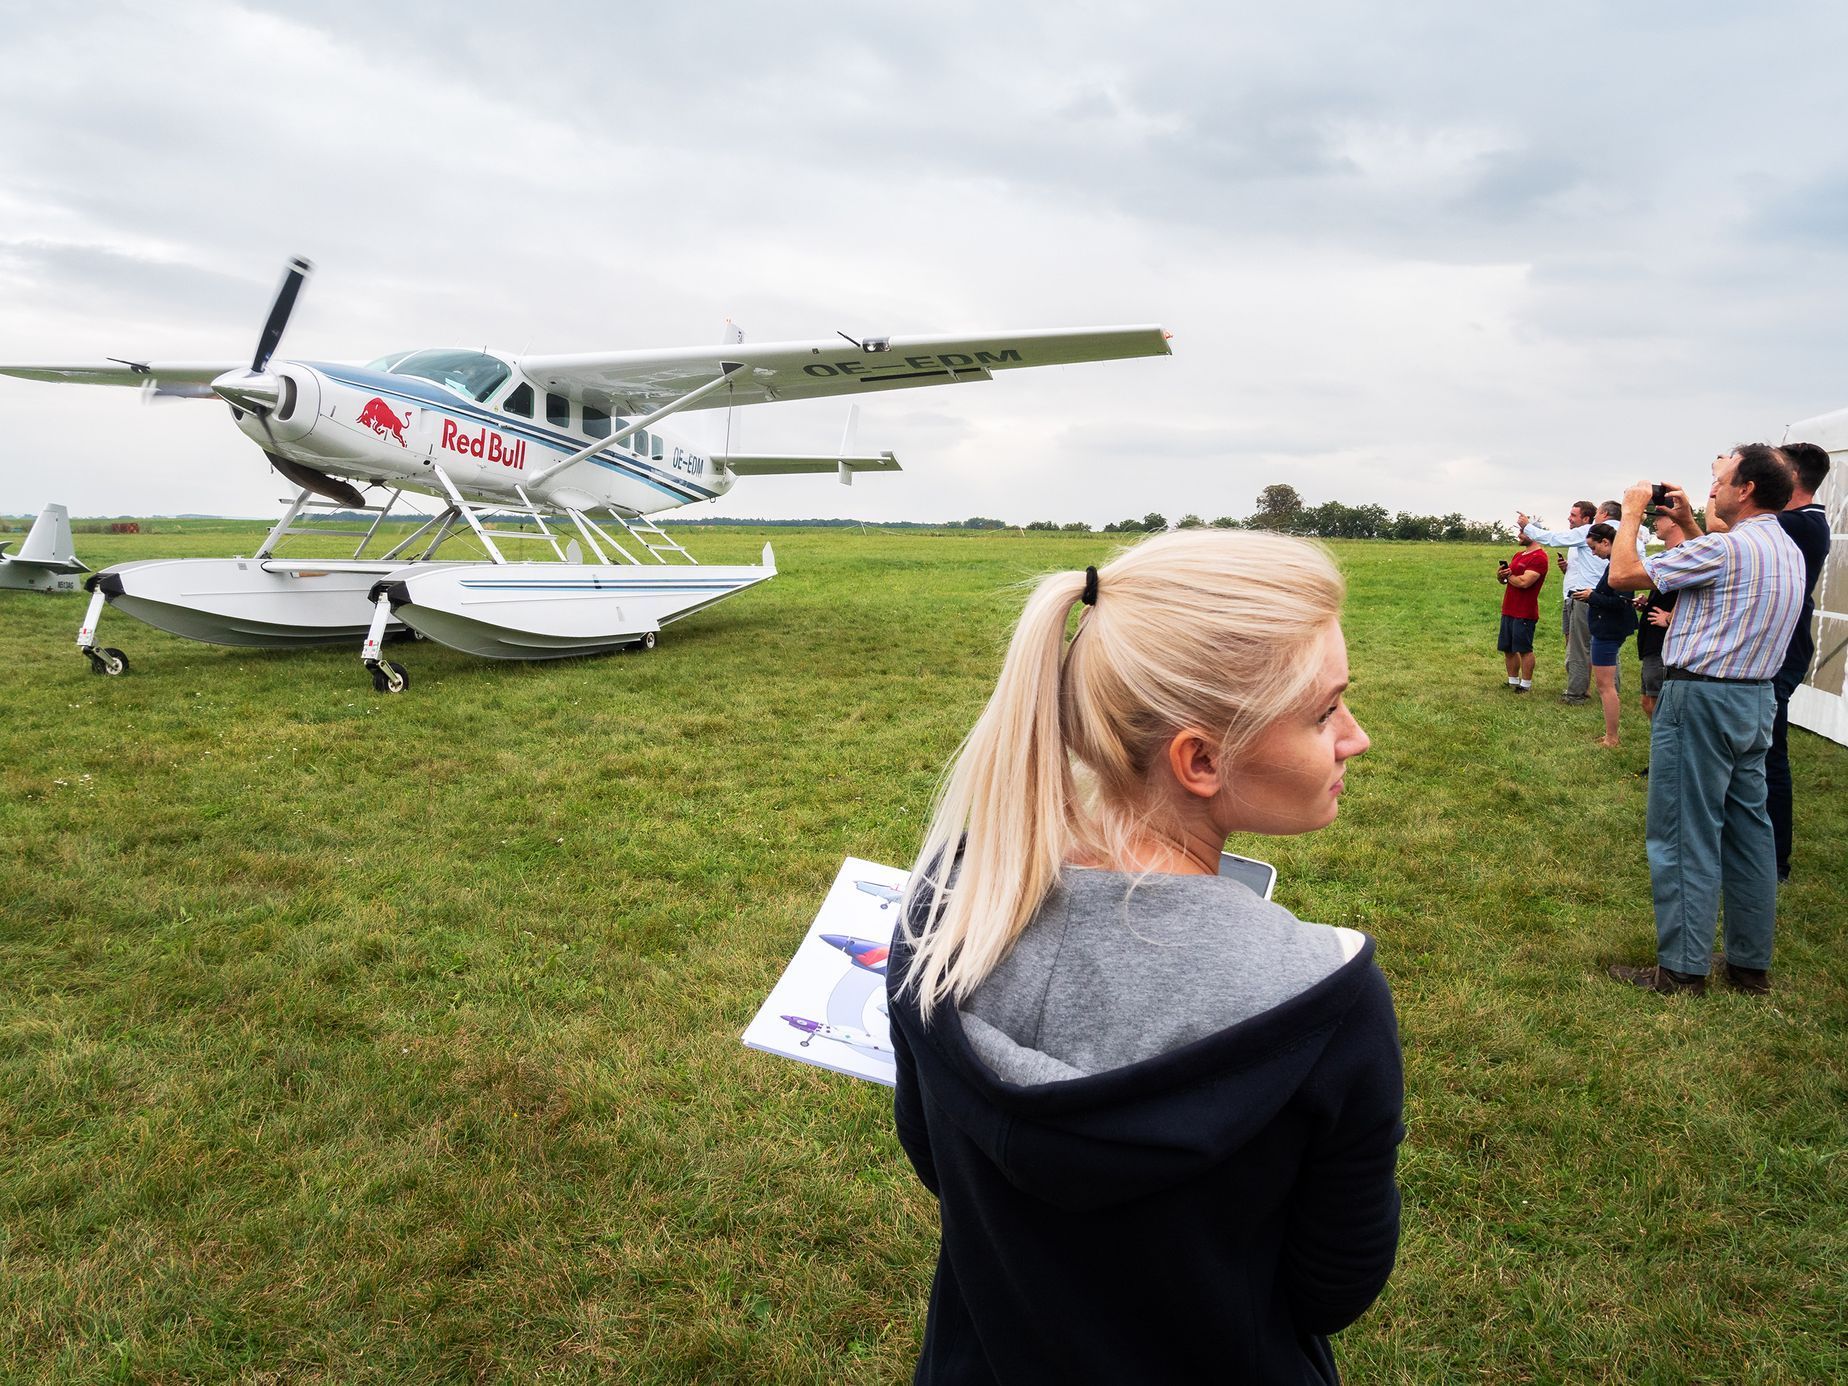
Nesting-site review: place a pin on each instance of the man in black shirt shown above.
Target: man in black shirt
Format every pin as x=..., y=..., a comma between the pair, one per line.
x=1808, y=525
x=1653, y=608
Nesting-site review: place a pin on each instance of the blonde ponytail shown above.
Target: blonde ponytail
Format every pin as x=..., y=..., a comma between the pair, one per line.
x=1199, y=628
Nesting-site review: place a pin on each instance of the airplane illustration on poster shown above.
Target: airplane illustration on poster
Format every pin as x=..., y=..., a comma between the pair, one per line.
x=829, y=1006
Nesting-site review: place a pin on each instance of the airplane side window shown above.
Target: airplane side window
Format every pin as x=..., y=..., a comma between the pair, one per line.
x=520, y=401
x=639, y=441
x=659, y=451
x=558, y=410
x=596, y=422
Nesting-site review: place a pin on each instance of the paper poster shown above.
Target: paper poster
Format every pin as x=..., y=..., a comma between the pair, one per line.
x=829, y=1006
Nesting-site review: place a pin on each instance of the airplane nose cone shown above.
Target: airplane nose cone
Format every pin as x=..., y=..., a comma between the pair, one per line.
x=255, y=391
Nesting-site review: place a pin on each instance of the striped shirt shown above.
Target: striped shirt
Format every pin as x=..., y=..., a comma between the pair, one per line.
x=1740, y=595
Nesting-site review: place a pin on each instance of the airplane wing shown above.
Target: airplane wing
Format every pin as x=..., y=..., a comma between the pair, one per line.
x=634, y=382
x=188, y=378
x=773, y=464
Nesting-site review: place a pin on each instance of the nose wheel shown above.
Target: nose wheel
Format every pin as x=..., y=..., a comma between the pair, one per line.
x=107, y=661
x=388, y=676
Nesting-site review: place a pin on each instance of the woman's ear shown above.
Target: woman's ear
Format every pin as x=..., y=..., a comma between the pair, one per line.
x=1193, y=759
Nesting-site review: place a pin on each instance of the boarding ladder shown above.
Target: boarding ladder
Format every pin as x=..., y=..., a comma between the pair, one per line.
x=655, y=539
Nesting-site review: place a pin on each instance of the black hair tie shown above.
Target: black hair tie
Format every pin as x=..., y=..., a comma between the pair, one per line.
x=1089, y=596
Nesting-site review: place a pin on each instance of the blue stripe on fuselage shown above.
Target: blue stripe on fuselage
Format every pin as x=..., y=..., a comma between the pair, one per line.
x=429, y=394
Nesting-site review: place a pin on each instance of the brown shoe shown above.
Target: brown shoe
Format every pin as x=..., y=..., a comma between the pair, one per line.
x=1660, y=979
x=1750, y=980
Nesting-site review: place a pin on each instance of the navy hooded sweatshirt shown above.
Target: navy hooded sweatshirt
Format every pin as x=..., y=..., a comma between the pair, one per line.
x=1208, y=1213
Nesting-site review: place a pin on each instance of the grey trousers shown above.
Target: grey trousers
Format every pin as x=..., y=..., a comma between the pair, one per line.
x=1575, y=625
x=1710, y=839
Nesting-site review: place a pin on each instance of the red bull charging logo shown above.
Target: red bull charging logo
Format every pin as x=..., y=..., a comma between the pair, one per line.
x=378, y=417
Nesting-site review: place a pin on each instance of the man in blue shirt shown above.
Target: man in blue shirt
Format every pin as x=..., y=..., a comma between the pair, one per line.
x=1583, y=569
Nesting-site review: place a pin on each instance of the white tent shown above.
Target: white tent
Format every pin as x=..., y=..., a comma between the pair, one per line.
x=1821, y=703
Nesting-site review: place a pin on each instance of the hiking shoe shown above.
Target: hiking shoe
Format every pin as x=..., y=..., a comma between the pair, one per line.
x=1568, y=698
x=1660, y=979
x=1750, y=980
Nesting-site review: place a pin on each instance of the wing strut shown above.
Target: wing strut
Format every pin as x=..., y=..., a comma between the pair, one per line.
x=727, y=369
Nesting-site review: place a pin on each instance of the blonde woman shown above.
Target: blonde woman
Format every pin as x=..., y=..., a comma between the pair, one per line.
x=1159, y=1113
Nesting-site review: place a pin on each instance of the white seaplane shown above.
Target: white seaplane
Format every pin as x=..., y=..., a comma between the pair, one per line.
x=47, y=561
x=497, y=438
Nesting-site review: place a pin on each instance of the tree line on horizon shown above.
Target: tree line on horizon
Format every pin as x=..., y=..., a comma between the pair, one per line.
x=1281, y=509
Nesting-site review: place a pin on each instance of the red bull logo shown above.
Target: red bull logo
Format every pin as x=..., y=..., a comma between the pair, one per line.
x=378, y=417
x=486, y=444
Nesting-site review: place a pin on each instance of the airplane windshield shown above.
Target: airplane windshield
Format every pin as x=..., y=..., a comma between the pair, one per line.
x=470, y=373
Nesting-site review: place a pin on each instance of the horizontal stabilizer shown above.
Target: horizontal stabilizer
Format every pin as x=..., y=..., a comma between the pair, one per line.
x=791, y=464
x=49, y=545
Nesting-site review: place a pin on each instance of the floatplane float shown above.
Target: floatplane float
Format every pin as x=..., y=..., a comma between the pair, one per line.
x=566, y=447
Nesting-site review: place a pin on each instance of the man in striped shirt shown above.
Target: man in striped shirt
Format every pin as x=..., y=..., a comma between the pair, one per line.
x=1708, y=829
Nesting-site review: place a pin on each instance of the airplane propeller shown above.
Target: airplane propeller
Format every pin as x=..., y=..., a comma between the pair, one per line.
x=292, y=280
x=257, y=391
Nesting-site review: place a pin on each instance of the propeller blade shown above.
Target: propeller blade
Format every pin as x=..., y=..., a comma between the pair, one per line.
x=292, y=281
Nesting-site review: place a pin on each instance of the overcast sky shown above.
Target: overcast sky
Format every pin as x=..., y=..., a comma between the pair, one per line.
x=1435, y=257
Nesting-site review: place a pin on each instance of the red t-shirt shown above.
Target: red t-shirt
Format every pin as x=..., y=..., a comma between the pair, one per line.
x=1524, y=602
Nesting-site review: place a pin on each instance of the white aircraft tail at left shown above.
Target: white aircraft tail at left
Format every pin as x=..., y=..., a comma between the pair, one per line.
x=47, y=561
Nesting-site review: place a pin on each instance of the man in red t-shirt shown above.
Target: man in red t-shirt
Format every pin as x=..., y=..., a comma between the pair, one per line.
x=1520, y=612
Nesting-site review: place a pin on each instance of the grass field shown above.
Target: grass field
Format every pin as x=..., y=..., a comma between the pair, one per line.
x=359, y=1038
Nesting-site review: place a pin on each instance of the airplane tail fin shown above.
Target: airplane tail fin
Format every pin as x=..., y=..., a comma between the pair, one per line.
x=50, y=539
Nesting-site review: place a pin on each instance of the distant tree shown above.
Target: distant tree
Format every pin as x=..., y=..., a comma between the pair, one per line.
x=1130, y=526
x=1333, y=520
x=1278, y=506
x=1112, y=528
x=1154, y=523
x=983, y=522
x=1042, y=524
x=1076, y=527
x=1225, y=522
x=1191, y=522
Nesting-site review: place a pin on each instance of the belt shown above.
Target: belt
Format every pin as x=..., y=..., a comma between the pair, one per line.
x=1671, y=672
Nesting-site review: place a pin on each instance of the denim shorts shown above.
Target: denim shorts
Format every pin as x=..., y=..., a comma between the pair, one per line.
x=1604, y=652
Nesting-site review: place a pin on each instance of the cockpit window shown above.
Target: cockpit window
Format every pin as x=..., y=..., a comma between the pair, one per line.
x=470, y=373
x=387, y=361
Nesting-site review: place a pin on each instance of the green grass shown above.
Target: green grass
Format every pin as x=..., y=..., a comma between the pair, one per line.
x=349, y=1038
